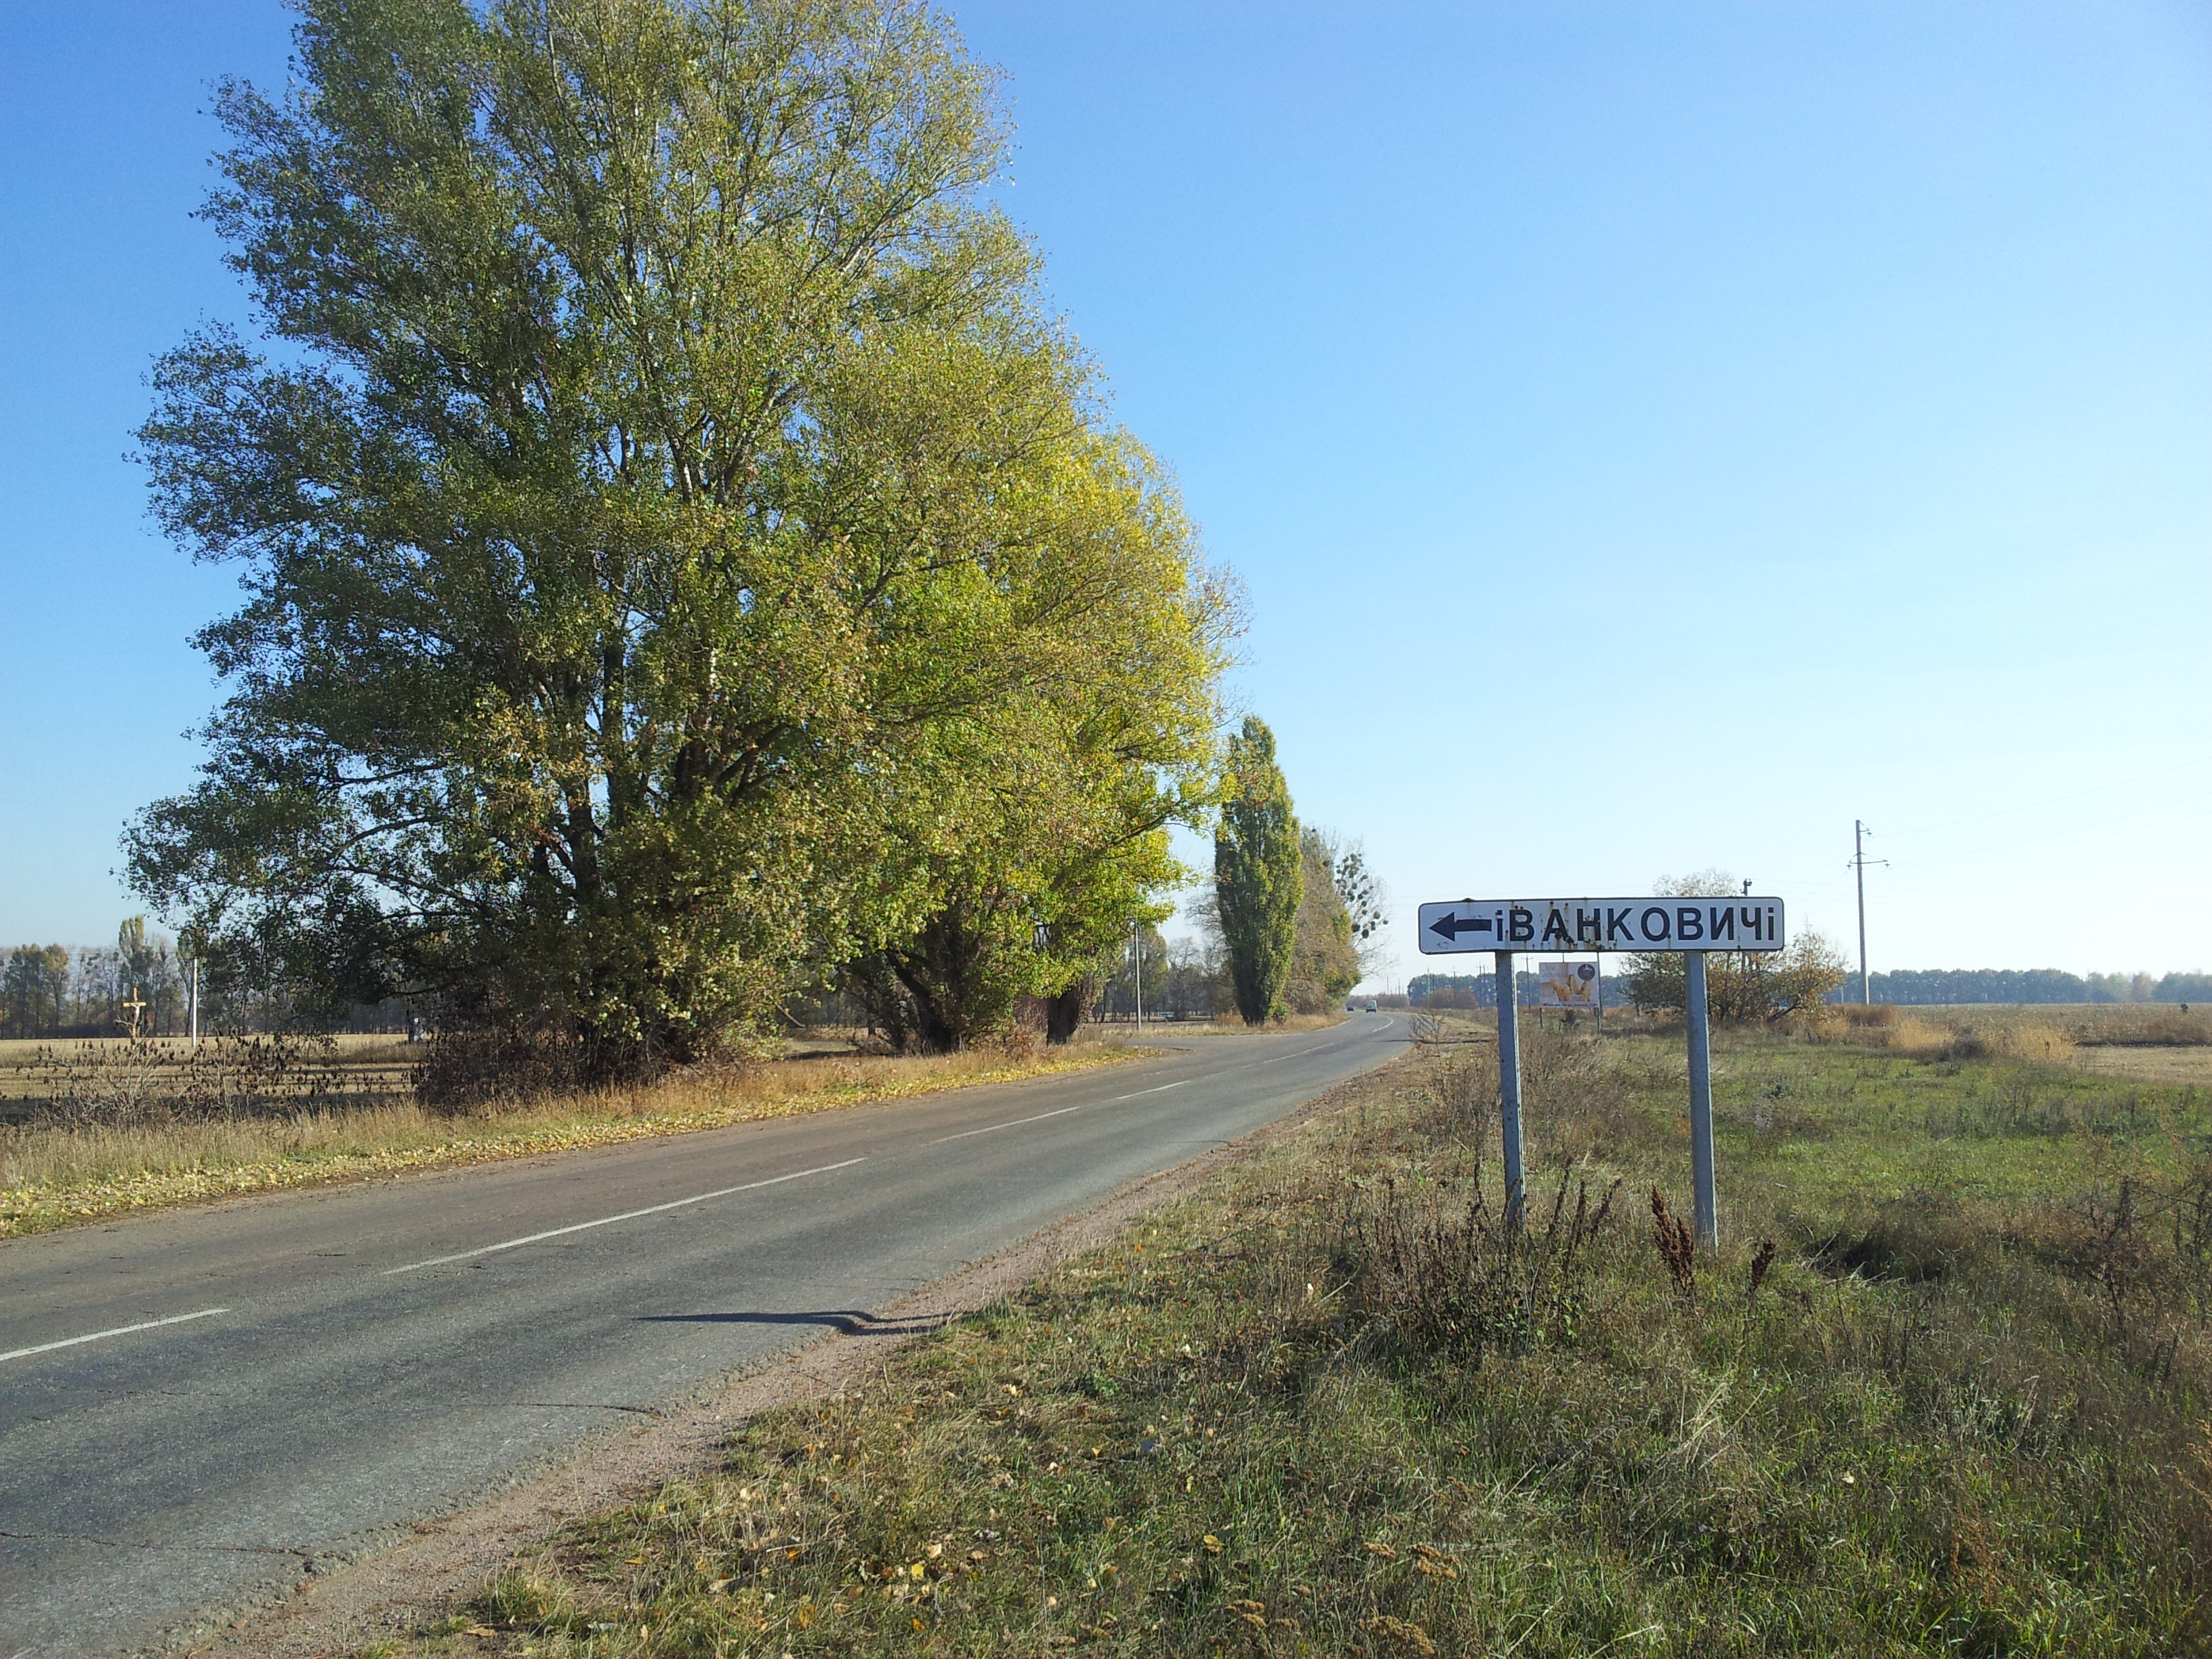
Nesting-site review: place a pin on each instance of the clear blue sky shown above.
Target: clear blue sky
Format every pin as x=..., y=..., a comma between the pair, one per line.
x=1651, y=436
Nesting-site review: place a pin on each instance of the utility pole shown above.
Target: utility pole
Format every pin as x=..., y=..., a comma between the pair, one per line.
x=1137, y=970
x=1859, y=862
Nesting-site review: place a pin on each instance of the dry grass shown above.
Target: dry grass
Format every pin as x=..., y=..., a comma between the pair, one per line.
x=58, y=1176
x=1943, y=1391
x=2043, y=1035
x=2029, y=1040
x=33, y=1070
x=2188, y=1066
x=2088, y=1024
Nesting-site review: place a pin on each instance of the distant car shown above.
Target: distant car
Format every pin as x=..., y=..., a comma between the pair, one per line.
x=1371, y=1005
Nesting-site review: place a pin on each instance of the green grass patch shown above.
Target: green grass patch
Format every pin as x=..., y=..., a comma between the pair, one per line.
x=1332, y=1405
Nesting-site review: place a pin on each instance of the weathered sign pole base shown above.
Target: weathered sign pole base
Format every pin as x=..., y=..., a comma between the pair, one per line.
x=1701, y=1101
x=1509, y=1084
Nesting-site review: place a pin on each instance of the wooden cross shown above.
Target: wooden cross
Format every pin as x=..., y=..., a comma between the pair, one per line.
x=137, y=1006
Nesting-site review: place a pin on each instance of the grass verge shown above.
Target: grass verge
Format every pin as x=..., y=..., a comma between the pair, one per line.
x=1332, y=1405
x=55, y=1177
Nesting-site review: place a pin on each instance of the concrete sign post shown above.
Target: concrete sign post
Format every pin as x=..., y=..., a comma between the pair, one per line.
x=1692, y=926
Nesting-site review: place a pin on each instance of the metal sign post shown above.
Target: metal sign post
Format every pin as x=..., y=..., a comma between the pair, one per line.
x=1701, y=1101
x=1690, y=926
x=1509, y=1082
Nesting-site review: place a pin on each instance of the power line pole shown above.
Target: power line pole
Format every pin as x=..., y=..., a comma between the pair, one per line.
x=1137, y=970
x=1859, y=862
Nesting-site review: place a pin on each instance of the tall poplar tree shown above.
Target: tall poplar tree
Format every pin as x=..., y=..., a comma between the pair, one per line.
x=667, y=482
x=1258, y=873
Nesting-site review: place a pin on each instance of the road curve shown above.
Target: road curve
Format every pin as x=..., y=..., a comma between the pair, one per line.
x=195, y=1405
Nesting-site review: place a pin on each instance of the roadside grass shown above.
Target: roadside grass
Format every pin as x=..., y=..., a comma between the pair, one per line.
x=56, y=1175
x=1332, y=1405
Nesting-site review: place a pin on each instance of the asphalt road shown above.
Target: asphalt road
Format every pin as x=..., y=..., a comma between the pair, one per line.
x=194, y=1404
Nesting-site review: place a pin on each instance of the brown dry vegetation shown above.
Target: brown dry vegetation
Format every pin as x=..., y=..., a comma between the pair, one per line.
x=123, y=1130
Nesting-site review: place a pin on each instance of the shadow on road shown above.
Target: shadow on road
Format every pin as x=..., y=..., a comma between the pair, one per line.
x=852, y=1321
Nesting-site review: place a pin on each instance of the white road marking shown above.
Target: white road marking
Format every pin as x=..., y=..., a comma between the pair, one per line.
x=627, y=1215
x=1298, y=1053
x=120, y=1330
x=1016, y=1123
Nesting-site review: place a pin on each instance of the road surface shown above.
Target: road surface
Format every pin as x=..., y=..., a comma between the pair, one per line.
x=196, y=1406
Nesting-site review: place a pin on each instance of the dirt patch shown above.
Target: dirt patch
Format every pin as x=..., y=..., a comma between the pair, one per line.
x=448, y=1562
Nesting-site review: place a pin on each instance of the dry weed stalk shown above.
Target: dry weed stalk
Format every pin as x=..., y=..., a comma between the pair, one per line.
x=1671, y=1235
x=1762, y=1260
x=146, y=1082
x=1467, y=1283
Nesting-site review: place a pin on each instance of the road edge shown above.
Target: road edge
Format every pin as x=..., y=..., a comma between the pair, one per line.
x=420, y=1579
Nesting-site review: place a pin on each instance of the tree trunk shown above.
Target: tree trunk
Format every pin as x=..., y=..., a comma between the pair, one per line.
x=1064, y=1012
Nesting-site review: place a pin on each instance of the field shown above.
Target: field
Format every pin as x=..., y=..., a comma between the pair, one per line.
x=35, y=1072
x=1332, y=1405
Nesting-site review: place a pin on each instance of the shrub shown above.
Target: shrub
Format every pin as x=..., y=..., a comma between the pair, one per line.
x=1863, y=1015
x=1742, y=986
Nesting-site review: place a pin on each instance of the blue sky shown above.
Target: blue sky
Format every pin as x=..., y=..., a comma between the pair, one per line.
x=1650, y=437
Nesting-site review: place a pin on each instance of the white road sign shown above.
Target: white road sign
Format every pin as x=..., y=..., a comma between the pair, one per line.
x=1601, y=924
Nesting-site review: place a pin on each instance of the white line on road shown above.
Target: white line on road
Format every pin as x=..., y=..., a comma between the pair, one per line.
x=1016, y=1123
x=120, y=1330
x=1298, y=1053
x=627, y=1215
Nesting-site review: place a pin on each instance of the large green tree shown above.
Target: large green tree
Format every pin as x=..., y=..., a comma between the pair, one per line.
x=1047, y=837
x=1258, y=873
x=666, y=477
x=1325, y=949
x=1054, y=845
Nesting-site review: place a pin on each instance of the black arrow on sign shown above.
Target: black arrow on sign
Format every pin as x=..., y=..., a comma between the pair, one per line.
x=1448, y=926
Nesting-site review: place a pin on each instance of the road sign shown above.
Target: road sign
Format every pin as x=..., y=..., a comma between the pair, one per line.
x=1695, y=926
x=1601, y=924
x=1566, y=985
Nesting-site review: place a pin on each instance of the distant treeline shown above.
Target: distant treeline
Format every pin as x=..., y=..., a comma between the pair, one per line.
x=140, y=984
x=1954, y=985
x=52, y=990
x=1480, y=990
x=1919, y=985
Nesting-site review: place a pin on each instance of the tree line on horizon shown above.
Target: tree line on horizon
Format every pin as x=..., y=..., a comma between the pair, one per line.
x=1924, y=986
x=688, y=564
x=55, y=990
x=1908, y=986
